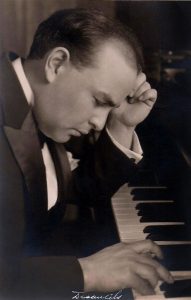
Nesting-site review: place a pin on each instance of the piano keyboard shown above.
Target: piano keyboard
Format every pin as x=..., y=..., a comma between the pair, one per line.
x=149, y=212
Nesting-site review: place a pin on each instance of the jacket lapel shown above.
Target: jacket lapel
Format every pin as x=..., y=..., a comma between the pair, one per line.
x=25, y=145
x=20, y=130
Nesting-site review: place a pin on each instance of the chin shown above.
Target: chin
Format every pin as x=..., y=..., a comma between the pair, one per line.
x=57, y=136
x=62, y=139
x=58, y=139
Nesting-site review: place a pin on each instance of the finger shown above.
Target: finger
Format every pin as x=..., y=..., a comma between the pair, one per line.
x=141, y=89
x=147, y=272
x=141, y=285
x=147, y=246
x=148, y=97
x=141, y=78
x=162, y=272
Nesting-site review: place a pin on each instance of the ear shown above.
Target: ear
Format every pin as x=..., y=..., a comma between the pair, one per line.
x=56, y=62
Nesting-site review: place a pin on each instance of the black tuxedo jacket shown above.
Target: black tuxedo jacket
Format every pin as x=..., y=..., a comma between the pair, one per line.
x=28, y=274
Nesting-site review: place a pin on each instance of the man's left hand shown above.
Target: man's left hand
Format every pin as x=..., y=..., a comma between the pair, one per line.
x=123, y=120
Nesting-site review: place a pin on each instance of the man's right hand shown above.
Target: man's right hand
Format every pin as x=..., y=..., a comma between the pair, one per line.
x=125, y=266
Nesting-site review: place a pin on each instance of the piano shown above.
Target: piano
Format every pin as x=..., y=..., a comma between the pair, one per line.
x=156, y=204
x=147, y=208
x=149, y=213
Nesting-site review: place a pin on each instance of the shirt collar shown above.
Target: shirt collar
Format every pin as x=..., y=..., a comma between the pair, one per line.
x=17, y=65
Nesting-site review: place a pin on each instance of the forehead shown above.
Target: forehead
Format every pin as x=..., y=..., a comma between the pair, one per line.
x=115, y=51
x=113, y=70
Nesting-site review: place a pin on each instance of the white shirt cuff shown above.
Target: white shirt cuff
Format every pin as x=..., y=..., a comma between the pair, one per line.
x=136, y=151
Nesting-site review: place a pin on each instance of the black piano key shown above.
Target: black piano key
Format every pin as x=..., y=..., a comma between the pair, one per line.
x=167, y=214
x=168, y=237
x=167, y=233
x=158, y=210
x=155, y=206
x=162, y=211
x=161, y=218
x=151, y=194
x=157, y=237
x=180, y=288
x=177, y=257
x=171, y=229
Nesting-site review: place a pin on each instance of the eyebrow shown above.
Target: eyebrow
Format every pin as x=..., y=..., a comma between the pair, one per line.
x=106, y=98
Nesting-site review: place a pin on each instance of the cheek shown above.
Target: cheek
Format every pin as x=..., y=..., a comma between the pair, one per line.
x=81, y=114
x=82, y=109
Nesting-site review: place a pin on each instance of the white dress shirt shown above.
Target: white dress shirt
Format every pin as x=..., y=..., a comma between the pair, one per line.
x=52, y=186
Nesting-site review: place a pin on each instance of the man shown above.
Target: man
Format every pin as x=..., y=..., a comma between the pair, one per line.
x=79, y=72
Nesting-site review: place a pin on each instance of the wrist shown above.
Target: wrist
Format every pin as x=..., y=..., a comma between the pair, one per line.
x=121, y=133
x=87, y=274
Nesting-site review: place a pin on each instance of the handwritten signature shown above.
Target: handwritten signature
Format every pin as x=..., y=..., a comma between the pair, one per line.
x=83, y=295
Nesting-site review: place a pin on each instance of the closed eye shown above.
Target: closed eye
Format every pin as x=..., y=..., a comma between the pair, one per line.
x=107, y=103
x=100, y=103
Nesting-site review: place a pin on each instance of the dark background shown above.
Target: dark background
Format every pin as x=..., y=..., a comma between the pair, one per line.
x=159, y=24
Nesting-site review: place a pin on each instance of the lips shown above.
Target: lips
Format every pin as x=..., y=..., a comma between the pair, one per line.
x=82, y=131
x=79, y=132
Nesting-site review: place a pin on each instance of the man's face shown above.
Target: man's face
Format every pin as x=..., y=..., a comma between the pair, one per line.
x=80, y=100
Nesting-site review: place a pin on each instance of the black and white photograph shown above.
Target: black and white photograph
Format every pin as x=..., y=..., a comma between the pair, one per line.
x=95, y=150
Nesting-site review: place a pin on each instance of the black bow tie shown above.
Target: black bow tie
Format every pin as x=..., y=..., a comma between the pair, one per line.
x=43, y=139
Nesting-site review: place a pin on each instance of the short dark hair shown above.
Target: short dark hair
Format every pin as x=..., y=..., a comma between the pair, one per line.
x=80, y=31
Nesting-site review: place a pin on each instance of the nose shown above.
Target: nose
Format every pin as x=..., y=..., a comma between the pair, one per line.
x=99, y=118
